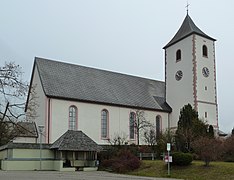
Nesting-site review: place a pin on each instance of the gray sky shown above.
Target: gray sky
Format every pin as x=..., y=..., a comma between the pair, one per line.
x=119, y=35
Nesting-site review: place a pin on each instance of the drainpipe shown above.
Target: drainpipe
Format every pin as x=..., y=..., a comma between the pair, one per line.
x=48, y=125
x=169, y=126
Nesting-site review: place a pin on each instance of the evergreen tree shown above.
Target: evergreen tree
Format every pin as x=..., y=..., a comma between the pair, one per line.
x=189, y=128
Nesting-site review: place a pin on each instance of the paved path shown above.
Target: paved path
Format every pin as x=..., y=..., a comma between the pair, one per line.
x=54, y=175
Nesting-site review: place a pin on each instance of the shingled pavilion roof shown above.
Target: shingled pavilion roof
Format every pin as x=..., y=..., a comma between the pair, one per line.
x=75, y=141
x=85, y=84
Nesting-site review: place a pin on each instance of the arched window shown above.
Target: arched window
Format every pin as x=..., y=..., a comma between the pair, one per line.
x=132, y=125
x=104, y=124
x=72, y=125
x=158, y=126
x=204, y=51
x=178, y=55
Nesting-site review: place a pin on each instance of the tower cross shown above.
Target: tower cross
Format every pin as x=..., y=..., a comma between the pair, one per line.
x=187, y=7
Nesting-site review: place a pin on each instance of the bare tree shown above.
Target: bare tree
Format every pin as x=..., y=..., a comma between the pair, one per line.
x=208, y=149
x=13, y=93
x=13, y=90
x=150, y=137
x=140, y=123
x=158, y=142
x=118, y=140
x=32, y=104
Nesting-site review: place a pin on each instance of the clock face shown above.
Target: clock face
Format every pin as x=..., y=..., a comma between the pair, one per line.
x=205, y=72
x=178, y=75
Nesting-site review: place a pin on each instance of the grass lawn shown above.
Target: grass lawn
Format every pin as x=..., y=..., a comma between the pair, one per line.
x=197, y=170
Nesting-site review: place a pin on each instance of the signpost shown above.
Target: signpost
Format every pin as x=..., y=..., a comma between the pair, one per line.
x=40, y=127
x=168, y=158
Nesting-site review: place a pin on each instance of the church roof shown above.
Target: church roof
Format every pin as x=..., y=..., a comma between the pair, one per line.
x=85, y=84
x=75, y=141
x=187, y=28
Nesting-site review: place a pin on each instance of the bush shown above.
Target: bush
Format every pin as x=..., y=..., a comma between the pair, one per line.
x=228, y=149
x=208, y=149
x=182, y=159
x=124, y=161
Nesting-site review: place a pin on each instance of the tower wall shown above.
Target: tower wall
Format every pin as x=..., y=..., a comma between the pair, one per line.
x=179, y=92
x=206, y=102
x=194, y=87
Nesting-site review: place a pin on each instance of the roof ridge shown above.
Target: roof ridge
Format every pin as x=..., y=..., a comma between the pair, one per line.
x=94, y=68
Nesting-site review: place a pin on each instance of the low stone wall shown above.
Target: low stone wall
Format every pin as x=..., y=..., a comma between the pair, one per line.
x=27, y=165
x=32, y=165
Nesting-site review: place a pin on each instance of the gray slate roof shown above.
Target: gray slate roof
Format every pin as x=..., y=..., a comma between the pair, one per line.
x=26, y=129
x=12, y=145
x=74, y=82
x=187, y=28
x=21, y=128
x=75, y=141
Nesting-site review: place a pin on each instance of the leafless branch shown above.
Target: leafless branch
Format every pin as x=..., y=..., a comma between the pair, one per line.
x=13, y=90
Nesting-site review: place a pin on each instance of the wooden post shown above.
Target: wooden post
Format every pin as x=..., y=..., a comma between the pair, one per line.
x=73, y=155
x=96, y=155
x=85, y=155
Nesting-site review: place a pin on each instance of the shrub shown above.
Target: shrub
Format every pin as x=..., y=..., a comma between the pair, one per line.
x=228, y=149
x=107, y=154
x=145, y=149
x=124, y=161
x=208, y=149
x=107, y=163
x=182, y=159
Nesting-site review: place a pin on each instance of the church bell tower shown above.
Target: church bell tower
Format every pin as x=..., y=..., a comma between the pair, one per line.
x=190, y=73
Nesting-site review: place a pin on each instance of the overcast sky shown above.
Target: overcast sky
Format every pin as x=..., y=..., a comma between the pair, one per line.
x=124, y=36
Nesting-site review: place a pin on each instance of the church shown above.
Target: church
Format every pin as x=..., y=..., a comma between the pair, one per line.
x=79, y=108
x=103, y=104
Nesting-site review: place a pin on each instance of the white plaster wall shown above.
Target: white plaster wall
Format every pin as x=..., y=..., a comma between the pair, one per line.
x=211, y=113
x=32, y=153
x=207, y=98
x=208, y=62
x=3, y=154
x=179, y=93
x=89, y=119
x=41, y=100
x=27, y=165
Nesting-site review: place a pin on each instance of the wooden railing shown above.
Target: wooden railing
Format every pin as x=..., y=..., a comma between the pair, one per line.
x=151, y=156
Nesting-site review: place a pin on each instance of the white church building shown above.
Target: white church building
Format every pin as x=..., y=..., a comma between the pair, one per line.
x=81, y=108
x=102, y=104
